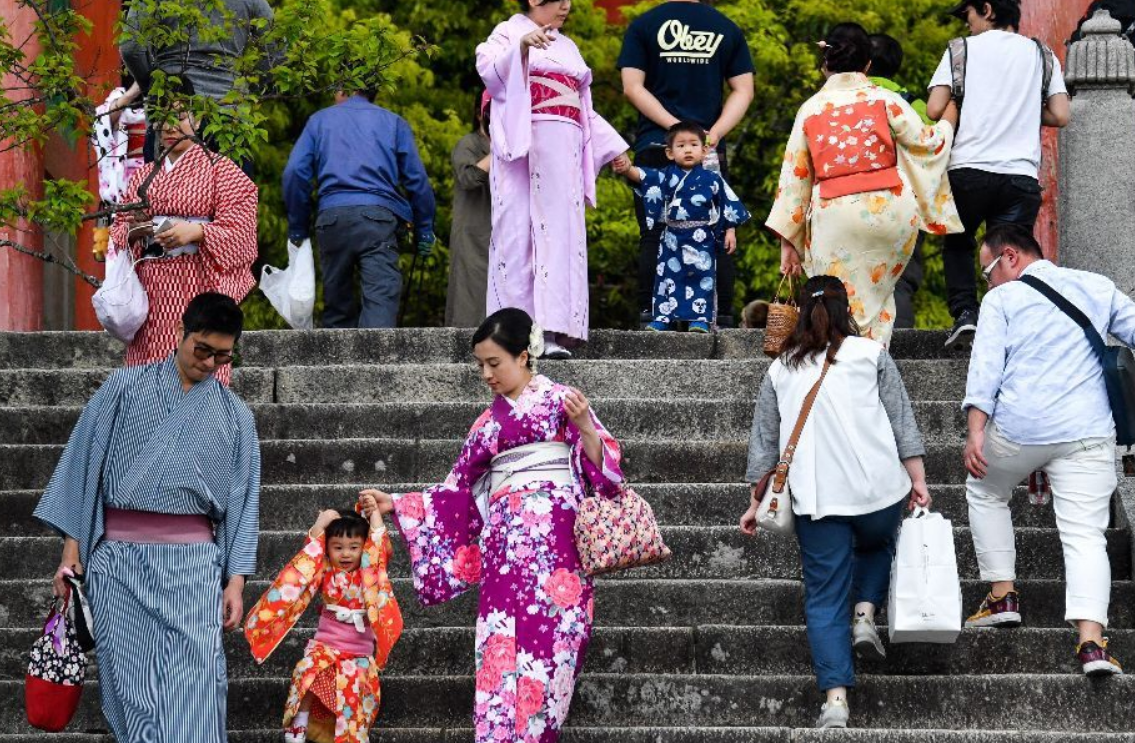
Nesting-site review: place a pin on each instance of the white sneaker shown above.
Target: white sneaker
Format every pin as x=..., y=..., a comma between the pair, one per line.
x=865, y=639
x=833, y=715
x=553, y=350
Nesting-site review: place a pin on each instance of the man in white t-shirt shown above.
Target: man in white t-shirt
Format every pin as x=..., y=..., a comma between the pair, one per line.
x=996, y=154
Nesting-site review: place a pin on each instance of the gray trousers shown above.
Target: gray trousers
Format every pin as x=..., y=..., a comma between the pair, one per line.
x=362, y=237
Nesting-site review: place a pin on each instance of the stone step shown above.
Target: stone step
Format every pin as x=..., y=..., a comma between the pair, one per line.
x=695, y=419
x=926, y=379
x=674, y=735
x=708, y=649
x=300, y=462
x=721, y=552
x=84, y=350
x=643, y=378
x=638, y=602
x=1040, y=702
x=68, y=387
x=290, y=507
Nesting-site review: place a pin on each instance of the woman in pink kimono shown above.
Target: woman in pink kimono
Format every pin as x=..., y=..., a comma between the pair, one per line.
x=547, y=145
x=505, y=519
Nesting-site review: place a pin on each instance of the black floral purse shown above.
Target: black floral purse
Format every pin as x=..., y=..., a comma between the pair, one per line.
x=56, y=672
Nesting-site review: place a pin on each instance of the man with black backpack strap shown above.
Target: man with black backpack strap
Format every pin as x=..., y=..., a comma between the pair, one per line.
x=1036, y=399
x=1006, y=86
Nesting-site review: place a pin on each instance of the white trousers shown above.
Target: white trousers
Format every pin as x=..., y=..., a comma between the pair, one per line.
x=1083, y=479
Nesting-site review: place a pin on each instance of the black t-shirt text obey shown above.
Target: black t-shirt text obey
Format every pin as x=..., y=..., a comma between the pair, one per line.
x=688, y=51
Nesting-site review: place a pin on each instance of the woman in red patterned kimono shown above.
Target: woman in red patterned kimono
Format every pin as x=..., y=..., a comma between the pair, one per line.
x=209, y=246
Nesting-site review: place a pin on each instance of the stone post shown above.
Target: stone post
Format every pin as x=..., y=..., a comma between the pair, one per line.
x=1097, y=174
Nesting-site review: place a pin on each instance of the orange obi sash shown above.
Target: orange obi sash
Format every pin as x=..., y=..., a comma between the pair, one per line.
x=852, y=149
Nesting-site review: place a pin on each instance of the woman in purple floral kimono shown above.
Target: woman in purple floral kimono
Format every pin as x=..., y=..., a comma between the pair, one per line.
x=504, y=518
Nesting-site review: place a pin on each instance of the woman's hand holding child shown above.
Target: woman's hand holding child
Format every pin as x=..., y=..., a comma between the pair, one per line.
x=371, y=499
x=622, y=166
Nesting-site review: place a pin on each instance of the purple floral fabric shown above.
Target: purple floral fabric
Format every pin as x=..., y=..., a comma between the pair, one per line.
x=536, y=605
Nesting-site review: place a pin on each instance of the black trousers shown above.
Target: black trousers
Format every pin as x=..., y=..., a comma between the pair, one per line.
x=655, y=157
x=992, y=198
x=362, y=239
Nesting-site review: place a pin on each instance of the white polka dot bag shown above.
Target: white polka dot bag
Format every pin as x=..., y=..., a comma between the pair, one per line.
x=56, y=672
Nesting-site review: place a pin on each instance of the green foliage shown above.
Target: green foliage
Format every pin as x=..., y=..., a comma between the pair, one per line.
x=419, y=55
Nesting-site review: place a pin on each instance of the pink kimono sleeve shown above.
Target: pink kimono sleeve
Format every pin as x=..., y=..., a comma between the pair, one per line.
x=601, y=143
x=605, y=478
x=504, y=69
x=442, y=524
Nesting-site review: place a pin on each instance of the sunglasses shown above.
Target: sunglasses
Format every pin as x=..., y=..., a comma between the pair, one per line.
x=987, y=272
x=220, y=358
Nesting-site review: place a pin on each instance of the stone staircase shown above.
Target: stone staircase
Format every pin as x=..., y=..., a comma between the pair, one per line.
x=708, y=648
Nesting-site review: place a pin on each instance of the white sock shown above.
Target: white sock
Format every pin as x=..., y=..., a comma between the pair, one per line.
x=300, y=720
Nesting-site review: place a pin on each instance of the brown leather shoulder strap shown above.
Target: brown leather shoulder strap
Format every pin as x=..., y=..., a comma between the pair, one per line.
x=790, y=451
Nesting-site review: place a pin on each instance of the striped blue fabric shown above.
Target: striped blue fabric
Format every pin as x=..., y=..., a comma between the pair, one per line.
x=143, y=443
x=157, y=612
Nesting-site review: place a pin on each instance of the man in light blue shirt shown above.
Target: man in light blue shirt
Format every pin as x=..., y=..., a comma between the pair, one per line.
x=1036, y=400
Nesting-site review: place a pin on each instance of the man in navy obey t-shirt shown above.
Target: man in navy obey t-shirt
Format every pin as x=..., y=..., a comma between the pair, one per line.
x=676, y=60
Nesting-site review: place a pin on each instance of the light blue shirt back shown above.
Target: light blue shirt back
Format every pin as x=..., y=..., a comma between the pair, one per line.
x=1032, y=368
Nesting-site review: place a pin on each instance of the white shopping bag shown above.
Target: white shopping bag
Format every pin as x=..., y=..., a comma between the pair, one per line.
x=292, y=290
x=121, y=304
x=925, y=602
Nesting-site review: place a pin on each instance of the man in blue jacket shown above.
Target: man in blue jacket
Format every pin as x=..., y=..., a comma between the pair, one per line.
x=364, y=159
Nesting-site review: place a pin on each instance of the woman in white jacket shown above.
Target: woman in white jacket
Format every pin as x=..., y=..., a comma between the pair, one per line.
x=858, y=457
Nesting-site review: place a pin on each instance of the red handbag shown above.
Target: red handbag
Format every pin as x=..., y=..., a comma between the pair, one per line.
x=56, y=671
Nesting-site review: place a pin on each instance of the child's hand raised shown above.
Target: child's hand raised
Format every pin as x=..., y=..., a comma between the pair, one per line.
x=322, y=522
x=621, y=164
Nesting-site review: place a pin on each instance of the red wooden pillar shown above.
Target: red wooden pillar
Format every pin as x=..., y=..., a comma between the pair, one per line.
x=21, y=276
x=70, y=156
x=1051, y=21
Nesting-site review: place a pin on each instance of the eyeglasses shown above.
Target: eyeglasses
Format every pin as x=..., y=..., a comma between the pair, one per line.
x=988, y=270
x=220, y=358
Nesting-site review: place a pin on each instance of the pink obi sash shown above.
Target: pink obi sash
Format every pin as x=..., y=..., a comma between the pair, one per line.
x=344, y=636
x=852, y=149
x=554, y=94
x=148, y=527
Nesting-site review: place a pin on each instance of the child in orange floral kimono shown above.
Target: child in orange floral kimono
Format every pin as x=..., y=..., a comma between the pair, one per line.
x=334, y=695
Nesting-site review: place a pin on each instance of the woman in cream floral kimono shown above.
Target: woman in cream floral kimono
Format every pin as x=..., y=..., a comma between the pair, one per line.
x=861, y=177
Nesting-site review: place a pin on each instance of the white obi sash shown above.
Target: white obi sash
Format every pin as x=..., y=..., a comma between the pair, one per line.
x=342, y=614
x=542, y=462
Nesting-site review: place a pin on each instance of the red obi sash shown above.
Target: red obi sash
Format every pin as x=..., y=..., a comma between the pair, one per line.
x=554, y=94
x=135, y=138
x=852, y=149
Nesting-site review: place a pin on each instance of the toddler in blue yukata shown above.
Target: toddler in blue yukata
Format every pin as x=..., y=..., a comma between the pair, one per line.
x=699, y=211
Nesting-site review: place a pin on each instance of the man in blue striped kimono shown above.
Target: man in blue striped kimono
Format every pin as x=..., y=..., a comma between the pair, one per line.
x=157, y=498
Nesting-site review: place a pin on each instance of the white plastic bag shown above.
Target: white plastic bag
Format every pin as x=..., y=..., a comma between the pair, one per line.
x=925, y=602
x=121, y=304
x=292, y=290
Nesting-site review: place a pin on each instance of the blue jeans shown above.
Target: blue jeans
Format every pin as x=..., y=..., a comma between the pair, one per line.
x=845, y=558
x=362, y=237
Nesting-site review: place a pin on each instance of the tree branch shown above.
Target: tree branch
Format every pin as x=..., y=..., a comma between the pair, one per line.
x=46, y=257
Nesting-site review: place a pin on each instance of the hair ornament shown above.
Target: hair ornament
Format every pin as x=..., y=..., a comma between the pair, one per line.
x=536, y=342
x=823, y=45
x=820, y=293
